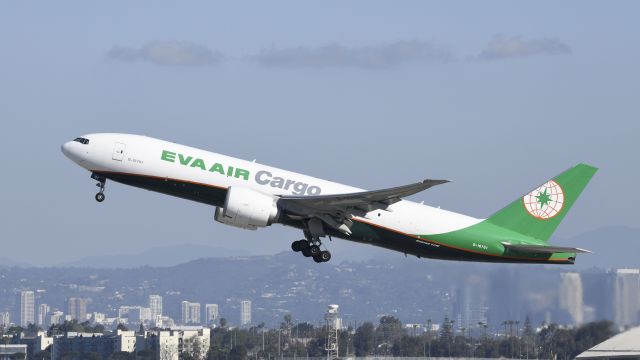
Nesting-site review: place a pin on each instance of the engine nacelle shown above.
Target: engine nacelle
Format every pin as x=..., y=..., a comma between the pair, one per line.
x=246, y=208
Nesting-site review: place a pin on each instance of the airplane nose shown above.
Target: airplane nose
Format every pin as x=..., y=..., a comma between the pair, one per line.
x=66, y=148
x=73, y=151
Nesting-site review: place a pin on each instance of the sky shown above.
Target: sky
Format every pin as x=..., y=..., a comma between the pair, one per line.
x=495, y=95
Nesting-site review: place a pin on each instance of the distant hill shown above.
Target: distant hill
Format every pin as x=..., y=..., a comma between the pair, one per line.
x=6, y=262
x=160, y=256
x=613, y=247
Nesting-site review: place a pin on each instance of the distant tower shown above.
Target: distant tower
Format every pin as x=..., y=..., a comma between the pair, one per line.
x=77, y=309
x=211, y=311
x=245, y=312
x=155, y=304
x=27, y=308
x=194, y=313
x=334, y=323
x=571, y=296
x=626, y=297
x=43, y=310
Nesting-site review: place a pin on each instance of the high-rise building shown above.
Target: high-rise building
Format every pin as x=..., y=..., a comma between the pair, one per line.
x=190, y=313
x=184, y=312
x=471, y=303
x=155, y=304
x=626, y=297
x=211, y=311
x=43, y=310
x=245, y=312
x=194, y=313
x=5, y=319
x=77, y=309
x=27, y=308
x=571, y=296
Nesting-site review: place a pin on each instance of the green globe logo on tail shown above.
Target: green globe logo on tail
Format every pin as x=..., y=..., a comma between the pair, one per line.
x=544, y=202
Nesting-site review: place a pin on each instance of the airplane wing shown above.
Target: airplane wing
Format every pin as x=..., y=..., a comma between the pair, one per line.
x=542, y=249
x=336, y=210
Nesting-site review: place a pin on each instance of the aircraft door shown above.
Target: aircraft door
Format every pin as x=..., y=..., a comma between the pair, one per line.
x=118, y=151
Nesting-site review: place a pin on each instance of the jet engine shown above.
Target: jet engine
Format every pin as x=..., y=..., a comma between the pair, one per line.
x=246, y=208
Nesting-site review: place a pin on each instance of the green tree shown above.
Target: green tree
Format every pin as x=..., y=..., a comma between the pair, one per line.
x=238, y=353
x=363, y=339
x=389, y=330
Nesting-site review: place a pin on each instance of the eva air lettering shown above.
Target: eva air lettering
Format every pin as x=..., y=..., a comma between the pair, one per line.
x=190, y=161
x=264, y=177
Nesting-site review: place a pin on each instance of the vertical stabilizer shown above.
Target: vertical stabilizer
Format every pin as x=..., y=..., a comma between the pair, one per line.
x=539, y=212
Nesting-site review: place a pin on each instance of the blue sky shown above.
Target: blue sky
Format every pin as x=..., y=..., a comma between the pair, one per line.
x=497, y=96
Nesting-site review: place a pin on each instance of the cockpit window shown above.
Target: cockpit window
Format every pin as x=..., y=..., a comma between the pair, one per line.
x=82, y=140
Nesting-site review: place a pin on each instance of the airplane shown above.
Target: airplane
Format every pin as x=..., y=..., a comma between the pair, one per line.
x=250, y=195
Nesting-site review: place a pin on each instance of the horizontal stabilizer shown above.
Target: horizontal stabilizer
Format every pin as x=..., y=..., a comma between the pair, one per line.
x=541, y=249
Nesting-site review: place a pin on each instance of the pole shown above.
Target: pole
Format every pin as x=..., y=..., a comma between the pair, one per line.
x=429, y=336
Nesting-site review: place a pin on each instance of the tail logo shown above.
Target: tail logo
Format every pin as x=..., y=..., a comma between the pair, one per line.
x=545, y=202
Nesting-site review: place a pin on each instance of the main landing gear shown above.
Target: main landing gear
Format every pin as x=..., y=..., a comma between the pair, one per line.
x=311, y=248
x=100, y=184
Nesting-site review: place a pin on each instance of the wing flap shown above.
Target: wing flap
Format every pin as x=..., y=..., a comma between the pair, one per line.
x=542, y=249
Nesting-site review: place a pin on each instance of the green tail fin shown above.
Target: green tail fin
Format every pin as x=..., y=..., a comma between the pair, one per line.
x=539, y=213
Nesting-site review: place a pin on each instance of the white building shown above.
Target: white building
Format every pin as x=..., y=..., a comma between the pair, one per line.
x=14, y=351
x=245, y=312
x=56, y=317
x=626, y=297
x=43, y=311
x=155, y=304
x=571, y=296
x=5, y=319
x=169, y=344
x=27, y=308
x=211, y=311
x=190, y=313
x=165, y=322
x=134, y=314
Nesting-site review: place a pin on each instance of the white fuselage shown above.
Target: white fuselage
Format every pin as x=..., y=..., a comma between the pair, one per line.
x=148, y=157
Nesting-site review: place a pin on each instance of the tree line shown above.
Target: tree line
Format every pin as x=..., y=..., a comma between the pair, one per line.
x=387, y=337
x=390, y=338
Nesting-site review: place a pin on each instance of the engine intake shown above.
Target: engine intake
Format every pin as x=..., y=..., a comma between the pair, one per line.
x=248, y=209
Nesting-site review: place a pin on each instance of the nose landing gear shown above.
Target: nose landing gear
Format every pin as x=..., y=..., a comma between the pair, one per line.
x=100, y=184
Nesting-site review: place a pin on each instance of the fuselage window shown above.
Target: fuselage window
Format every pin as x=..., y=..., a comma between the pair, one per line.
x=82, y=140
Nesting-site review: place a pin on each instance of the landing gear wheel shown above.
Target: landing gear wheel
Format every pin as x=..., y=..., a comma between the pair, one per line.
x=317, y=259
x=306, y=252
x=314, y=250
x=99, y=197
x=325, y=256
x=299, y=245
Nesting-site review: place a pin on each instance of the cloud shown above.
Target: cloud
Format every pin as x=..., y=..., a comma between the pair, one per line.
x=337, y=56
x=169, y=53
x=501, y=47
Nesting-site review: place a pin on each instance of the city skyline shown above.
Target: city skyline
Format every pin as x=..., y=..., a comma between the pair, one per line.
x=572, y=82
x=577, y=298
